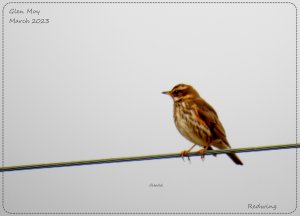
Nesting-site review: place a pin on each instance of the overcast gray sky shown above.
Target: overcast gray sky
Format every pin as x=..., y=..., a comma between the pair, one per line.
x=88, y=85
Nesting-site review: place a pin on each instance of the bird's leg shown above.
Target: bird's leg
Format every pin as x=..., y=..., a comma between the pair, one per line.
x=186, y=153
x=202, y=152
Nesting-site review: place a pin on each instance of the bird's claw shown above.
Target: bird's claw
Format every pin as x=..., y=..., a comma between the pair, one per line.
x=185, y=153
x=202, y=153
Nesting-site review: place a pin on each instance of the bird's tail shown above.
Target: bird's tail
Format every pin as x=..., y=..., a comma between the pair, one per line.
x=221, y=144
x=235, y=158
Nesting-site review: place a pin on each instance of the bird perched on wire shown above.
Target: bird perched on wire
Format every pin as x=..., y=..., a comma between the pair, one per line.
x=198, y=122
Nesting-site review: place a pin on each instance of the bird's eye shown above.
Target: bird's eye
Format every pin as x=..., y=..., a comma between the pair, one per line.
x=176, y=91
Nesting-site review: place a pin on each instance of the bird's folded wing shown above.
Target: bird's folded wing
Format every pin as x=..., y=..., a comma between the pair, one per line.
x=211, y=119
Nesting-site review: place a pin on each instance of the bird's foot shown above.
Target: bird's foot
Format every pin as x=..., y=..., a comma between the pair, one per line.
x=202, y=153
x=185, y=153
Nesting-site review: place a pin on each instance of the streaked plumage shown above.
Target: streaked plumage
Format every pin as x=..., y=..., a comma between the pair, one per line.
x=197, y=121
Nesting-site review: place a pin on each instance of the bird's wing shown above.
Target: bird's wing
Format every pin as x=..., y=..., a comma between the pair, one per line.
x=207, y=113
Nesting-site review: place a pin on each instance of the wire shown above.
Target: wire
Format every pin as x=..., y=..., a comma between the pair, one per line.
x=143, y=158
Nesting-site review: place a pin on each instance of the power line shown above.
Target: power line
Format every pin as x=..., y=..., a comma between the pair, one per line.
x=143, y=158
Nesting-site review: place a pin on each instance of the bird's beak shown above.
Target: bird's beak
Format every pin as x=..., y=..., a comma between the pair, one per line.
x=166, y=92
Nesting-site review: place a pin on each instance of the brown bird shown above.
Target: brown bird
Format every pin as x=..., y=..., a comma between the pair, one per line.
x=198, y=122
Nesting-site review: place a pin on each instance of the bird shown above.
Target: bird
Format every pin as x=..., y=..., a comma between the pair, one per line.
x=198, y=122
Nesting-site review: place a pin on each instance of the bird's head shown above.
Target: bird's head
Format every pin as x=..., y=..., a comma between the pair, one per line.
x=182, y=92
